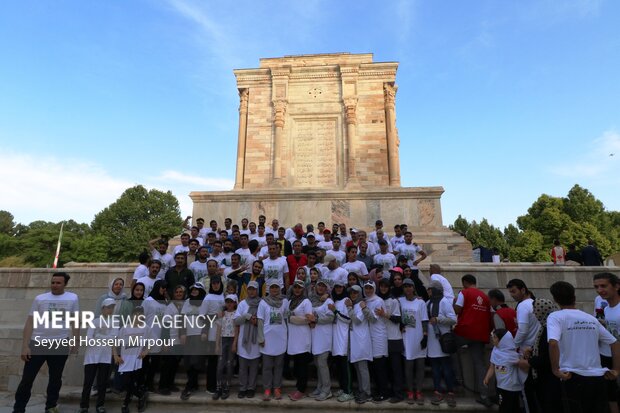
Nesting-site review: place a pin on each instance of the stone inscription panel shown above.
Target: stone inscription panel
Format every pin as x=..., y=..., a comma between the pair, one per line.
x=315, y=152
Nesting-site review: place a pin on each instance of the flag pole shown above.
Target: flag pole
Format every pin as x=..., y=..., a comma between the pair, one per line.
x=58, y=246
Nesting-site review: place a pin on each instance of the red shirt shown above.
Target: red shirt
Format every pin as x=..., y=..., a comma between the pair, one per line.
x=293, y=264
x=474, y=321
x=509, y=317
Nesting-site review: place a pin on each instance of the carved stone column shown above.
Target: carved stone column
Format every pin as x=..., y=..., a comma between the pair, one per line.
x=389, y=94
x=241, y=137
x=279, y=110
x=350, y=107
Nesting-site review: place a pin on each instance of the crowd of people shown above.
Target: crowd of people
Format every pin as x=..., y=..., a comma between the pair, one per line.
x=353, y=305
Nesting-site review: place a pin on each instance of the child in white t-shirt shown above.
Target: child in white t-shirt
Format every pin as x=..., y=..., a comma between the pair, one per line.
x=227, y=332
x=504, y=365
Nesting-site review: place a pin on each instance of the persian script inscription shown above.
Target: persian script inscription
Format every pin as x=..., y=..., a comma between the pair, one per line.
x=315, y=153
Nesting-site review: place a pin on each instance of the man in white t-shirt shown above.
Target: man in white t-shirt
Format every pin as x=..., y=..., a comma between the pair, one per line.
x=244, y=250
x=261, y=236
x=334, y=271
x=384, y=258
x=574, y=338
x=159, y=251
x=354, y=265
x=606, y=285
x=448, y=291
x=372, y=237
x=276, y=267
x=35, y=353
x=244, y=227
x=398, y=237
x=341, y=256
x=528, y=325
x=344, y=237
x=184, y=247
x=141, y=270
x=411, y=250
x=326, y=244
x=150, y=279
x=252, y=234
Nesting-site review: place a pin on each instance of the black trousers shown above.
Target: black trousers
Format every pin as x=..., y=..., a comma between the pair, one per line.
x=150, y=366
x=55, y=365
x=509, y=401
x=102, y=372
x=344, y=373
x=379, y=368
x=582, y=394
x=212, y=373
x=169, y=366
x=396, y=373
x=133, y=384
x=300, y=369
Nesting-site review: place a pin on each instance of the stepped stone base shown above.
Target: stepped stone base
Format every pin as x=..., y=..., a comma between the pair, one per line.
x=419, y=208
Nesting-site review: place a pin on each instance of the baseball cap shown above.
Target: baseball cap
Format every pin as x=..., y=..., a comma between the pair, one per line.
x=272, y=281
x=108, y=302
x=310, y=234
x=408, y=281
x=199, y=286
x=253, y=284
x=355, y=288
x=397, y=269
x=299, y=283
x=232, y=297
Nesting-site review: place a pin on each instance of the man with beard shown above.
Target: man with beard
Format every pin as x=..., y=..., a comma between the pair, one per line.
x=179, y=274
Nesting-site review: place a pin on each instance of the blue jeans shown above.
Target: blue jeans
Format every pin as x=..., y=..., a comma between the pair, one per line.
x=442, y=368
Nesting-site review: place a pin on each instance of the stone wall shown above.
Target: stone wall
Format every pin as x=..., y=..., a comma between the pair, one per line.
x=19, y=286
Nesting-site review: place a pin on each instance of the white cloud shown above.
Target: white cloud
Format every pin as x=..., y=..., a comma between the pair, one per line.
x=52, y=189
x=205, y=182
x=600, y=163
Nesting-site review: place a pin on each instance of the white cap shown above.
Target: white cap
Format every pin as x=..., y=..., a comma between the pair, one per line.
x=232, y=297
x=108, y=302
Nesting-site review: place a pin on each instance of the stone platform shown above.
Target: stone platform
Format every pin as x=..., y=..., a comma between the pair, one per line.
x=419, y=207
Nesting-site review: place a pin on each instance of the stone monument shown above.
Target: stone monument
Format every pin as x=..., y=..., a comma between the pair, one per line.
x=317, y=141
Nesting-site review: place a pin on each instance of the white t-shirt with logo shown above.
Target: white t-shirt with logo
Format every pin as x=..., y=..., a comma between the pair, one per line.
x=410, y=251
x=340, y=255
x=48, y=302
x=578, y=335
x=339, y=274
x=167, y=262
x=274, y=328
x=357, y=267
x=396, y=241
x=388, y=261
x=275, y=268
x=326, y=245
x=612, y=324
x=199, y=269
x=254, y=351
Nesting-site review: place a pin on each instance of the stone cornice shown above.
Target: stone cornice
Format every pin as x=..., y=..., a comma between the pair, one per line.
x=433, y=192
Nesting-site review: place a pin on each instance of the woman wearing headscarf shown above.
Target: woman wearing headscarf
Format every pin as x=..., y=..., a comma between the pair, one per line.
x=546, y=384
x=272, y=339
x=247, y=347
x=441, y=317
x=322, y=338
x=391, y=318
x=361, y=344
x=154, y=308
x=193, y=310
x=340, y=340
x=115, y=291
x=137, y=295
x=212, y=308
x=172, y=355
x=299, y=342
x=379, y=340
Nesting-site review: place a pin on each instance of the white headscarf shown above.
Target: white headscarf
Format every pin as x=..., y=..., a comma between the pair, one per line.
x=505, y=354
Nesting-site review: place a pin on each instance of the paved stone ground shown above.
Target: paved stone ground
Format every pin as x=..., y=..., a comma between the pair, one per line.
x=201, y=402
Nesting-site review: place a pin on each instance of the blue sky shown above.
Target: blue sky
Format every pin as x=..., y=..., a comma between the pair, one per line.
x=498, y=102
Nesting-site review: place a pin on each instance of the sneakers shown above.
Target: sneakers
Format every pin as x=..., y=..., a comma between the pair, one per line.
x=225, y=393
x=249, y=394
x=296, y=396
x=485, y=401
x=419, y=398
x=323, y=396
x=142, y=403
x=185, y=394
x=267, y=395
x=315, y=393
x=451, y=400
x=363, y=398
x=395, y=399
x=217, y=394
x=410, y=397
x=437, y=398
x=338, y=393
x=345, y=397
x=379, y=399
x=277, y=393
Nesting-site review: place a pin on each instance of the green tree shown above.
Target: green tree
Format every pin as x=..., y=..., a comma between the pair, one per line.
x=461, y=225
x=529, y=247
x=137, y=216
x=7, y=225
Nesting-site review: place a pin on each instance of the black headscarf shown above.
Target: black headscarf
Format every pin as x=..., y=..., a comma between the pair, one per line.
x=212, y=290
x=197, y=301
x=378, y=292
x=341, y=296
x=135, y=300
x=155, y=291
